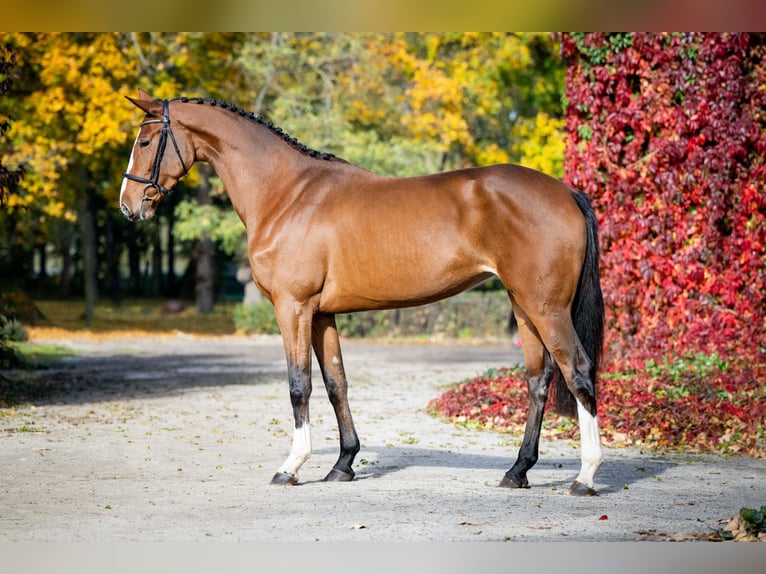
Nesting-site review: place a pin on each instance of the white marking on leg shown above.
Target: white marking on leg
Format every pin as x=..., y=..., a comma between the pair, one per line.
x=590, y=446
x=335, y=360
x=300, y=451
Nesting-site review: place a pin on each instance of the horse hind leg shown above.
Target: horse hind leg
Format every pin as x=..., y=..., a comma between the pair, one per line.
x=327, y=348
x=560, y=338
x=539, y=373
x=591, y=455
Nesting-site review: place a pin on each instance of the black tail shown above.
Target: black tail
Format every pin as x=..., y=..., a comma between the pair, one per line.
x=587, y=311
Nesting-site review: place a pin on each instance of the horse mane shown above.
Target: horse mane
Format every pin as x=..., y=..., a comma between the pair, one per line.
x=304, y=149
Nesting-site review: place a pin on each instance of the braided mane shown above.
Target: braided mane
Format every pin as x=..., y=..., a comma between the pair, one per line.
x=304, y=149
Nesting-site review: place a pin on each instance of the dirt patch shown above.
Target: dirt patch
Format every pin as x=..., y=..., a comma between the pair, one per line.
x=177, y=437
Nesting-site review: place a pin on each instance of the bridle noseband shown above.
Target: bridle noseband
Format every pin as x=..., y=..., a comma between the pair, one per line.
x=154, y=177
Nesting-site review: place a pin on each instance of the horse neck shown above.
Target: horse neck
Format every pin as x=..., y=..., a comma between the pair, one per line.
x=255, y=165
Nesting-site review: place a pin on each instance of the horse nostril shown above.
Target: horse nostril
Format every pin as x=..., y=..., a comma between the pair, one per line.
x=125, y=211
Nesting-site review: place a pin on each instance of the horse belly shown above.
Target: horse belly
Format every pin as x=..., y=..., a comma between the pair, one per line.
x=392, y=274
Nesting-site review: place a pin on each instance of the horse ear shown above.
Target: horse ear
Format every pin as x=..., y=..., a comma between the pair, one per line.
x=146, y=103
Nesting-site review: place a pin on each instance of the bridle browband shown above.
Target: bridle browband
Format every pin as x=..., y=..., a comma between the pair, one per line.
x=154, y=177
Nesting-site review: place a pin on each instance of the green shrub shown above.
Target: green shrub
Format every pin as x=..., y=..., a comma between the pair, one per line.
x=258, y=318
x=10, y=358
x=12, y=330
x=755, y=520
x=471, y=314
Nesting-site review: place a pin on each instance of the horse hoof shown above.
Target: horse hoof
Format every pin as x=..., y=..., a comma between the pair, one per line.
x=284, y=479
x=579, y=489
x=514, y=482
x=336, y=475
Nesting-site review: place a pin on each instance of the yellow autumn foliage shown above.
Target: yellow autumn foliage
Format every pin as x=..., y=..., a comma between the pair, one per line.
x=540, y=143
x=457, y=89
x=74, y=119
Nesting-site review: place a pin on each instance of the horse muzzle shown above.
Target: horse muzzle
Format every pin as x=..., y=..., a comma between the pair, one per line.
x=129, y=215
x=146, y=210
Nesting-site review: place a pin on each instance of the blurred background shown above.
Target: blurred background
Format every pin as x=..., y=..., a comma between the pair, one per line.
x=664, y=131
x=398, y=104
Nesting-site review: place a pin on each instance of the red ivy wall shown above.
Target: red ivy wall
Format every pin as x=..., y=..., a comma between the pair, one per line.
x=668, y=136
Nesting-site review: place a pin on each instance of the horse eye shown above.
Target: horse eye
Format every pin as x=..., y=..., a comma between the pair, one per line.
x=144, y=143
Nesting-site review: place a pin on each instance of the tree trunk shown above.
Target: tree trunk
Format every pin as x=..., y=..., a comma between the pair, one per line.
x=205, y=251
x=204, y=277
x=113, y=249
x=88, y=235
x=157, y=279
x=43, y=253
x=65, y=247
x=170, y=287
x=134, y=262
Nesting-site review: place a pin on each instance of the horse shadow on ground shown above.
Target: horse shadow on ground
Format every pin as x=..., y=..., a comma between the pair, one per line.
x=105, y=378
x=615, y=474
x=84, y=380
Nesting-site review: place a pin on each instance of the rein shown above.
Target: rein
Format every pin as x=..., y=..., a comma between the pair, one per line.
x=154, y=177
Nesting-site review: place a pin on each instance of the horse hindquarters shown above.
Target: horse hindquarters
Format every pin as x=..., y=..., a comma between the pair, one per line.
x=588, y=317
x=573, y=338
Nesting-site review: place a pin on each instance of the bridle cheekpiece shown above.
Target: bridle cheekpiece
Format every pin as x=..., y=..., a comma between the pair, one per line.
x=154, y=177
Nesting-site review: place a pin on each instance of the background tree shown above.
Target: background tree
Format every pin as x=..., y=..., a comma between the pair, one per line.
x=8, y=177
x=405, y=104
x=194, y=64
x=481, y=96
x=398, y=104
x=67, y=131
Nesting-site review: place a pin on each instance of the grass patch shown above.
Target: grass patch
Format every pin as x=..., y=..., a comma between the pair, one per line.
x=40, y=356
x=145, y=315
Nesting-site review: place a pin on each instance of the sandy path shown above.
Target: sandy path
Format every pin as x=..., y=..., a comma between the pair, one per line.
x=176, y=438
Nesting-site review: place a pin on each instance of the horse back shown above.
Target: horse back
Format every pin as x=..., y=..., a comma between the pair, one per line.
x=376, y=242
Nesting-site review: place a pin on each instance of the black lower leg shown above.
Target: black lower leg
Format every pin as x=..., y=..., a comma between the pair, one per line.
x=327, y=348
x=584, y=391
x=537, y=387
x=349, y=441
x=300, y=393
x=582, y=384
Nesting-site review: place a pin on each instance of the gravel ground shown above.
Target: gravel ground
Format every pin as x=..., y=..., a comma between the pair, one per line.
x=177, y=437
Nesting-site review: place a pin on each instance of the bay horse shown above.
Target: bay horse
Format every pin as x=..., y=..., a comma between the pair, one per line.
x=325, y=236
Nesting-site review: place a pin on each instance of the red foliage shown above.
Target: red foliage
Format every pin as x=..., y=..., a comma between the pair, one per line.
x=700, y=408
x=668, y=137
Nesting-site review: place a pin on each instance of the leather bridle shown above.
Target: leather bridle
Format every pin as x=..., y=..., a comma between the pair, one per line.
x=153, y=181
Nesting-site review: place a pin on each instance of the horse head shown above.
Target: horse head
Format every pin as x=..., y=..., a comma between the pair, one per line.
x=153, y=170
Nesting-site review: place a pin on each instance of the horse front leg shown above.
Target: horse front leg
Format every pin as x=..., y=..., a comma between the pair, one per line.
x=326, y=344
x=295, y=323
